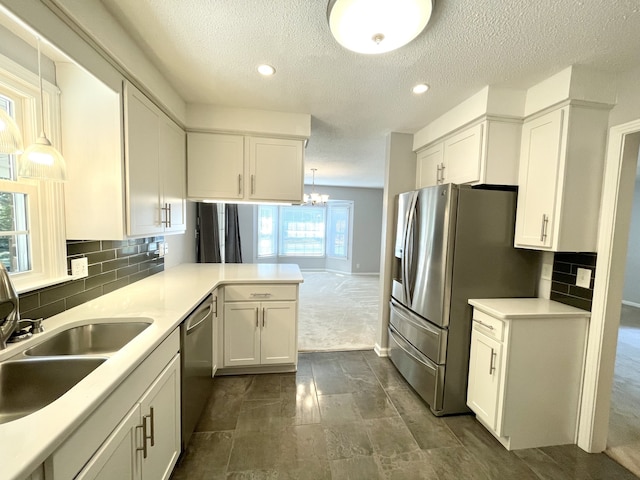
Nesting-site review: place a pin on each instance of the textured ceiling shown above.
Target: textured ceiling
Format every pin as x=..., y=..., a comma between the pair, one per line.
x=209, y=51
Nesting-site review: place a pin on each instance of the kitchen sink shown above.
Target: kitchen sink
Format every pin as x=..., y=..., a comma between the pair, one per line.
x=30, y=384
x=90, y=339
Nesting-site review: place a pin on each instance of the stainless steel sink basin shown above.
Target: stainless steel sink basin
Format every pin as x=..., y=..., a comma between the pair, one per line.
x=91, y=339
x=30, y=384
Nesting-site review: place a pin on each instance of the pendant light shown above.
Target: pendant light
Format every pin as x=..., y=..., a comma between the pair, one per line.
x=315, y=198
x=377, y=26
x=41, y=160
x=10, y=138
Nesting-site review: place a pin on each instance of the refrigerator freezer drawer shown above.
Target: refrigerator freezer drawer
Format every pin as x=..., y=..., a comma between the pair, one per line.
x=429, y=339
x=426, y=378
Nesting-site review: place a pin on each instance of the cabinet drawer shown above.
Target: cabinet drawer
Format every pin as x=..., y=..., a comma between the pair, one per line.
x=259, y=292
x=490, y=326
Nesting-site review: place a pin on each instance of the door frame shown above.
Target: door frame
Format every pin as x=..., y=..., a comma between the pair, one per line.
x=613, y=233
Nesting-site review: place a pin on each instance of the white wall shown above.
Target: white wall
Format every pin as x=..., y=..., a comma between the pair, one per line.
x=628, y=103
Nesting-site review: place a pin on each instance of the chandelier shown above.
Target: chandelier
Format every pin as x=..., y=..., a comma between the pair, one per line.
x=315, y=198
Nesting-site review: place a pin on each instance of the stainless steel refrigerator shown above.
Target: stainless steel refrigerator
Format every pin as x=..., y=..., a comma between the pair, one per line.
x=452, y=243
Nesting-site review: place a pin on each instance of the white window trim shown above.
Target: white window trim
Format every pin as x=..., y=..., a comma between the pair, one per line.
x=49, y=251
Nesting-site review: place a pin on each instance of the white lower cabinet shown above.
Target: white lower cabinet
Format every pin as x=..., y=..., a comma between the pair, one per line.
x=525, y=370
x=140, y=421
x=258, y=333
x=146, y=444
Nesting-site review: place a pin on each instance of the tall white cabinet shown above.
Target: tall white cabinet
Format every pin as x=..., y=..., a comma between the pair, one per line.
x=560, y=179
x=127, y=169
x=243, y=167
x=525, y=370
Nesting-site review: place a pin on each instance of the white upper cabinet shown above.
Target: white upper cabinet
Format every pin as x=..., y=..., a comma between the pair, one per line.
x=126, y=161
x=560, y=180
x=215, y=165
x=245, y=168
x=275, y=169
x=155, y=163
x=485, y=153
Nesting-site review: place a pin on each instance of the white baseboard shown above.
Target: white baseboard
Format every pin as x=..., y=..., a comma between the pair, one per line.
x=631, y=304
x=381, y=352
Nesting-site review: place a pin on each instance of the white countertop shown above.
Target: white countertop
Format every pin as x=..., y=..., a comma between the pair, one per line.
x=167, y=298
x=511, y=308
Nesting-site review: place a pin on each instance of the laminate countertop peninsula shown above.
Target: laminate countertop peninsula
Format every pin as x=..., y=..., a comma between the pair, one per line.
x=166, y=298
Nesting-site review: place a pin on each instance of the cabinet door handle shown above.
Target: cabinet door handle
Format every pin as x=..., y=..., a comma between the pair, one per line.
x=264, y=316
x=167, y=215
x=239, y=184
x=543, y=230
x=438, y=169
x=143, y=449
x=253, y=184
x=215, y=304
x=442, y=167
x=492, y=364
x=146, y=435
x=257, y=318
x=169, y=207
x=153, y=423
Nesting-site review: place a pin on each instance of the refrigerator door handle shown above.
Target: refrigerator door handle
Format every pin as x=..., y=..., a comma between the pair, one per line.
x=407, y=257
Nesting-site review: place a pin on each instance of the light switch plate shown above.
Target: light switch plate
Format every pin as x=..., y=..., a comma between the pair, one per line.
x=583, y=278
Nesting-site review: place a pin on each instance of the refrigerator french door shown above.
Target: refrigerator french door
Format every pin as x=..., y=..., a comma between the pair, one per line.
x=452, y=243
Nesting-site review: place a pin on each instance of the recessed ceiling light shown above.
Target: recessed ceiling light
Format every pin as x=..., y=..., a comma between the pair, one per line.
x=266, y=70
x=420, y=88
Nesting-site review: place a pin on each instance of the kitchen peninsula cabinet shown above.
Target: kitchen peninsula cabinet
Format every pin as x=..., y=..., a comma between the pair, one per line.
x=260, y=326
x=560, y=180
x=126, y=161
x=525, y=370
x=244, y=168
x=485, y=153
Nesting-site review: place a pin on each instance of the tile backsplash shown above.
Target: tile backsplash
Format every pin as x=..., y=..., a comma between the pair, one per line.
x=563, y=283
x=112, y=265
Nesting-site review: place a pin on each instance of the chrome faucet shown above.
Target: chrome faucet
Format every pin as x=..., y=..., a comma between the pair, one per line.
x=9, y=314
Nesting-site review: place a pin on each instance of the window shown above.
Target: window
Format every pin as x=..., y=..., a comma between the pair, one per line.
x=28, y=207
x=304, y=231
x=338, y=230
x=267, y=231
x=15, y=237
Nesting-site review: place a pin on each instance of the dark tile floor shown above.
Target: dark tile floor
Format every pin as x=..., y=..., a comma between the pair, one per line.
x=350, y=415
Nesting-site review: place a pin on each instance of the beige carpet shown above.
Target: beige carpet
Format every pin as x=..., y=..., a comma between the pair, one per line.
x=338, y=312
x=623, y=444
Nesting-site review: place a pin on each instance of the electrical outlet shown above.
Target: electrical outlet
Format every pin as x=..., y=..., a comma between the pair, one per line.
x=547, y=271
x=166, y=248
x=80, y=267
x=161, y=249
x=583, y=278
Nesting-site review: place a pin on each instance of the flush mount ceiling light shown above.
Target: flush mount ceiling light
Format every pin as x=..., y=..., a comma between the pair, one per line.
x=315, y=198
x=266, y=70
x=41, y=160
x=420, y=88
x=377, y=26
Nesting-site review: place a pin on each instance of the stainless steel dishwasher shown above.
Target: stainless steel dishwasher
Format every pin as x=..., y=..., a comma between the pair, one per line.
x=196, y=350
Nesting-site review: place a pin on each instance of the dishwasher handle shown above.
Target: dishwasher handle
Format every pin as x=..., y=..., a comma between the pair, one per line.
x=198, y=317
